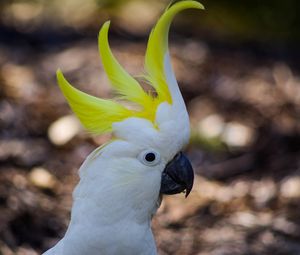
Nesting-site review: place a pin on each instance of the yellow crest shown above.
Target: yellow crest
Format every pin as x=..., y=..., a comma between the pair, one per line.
x=97, y=115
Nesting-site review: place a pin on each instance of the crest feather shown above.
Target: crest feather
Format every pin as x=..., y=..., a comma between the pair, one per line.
x=157, y=50
x=97, y=115
x=124, y=84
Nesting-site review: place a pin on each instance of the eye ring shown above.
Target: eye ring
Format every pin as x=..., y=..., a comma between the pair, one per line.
x=149, y=157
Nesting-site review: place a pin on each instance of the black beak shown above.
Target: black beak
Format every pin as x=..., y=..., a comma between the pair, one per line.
x=177, y=176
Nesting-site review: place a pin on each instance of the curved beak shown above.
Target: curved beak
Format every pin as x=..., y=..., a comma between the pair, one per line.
x=177, y=176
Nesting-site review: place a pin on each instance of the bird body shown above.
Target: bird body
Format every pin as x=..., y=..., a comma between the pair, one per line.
x=119, y=220
x=121, y=182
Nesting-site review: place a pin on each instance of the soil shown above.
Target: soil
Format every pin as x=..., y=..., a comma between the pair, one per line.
x=246, y=196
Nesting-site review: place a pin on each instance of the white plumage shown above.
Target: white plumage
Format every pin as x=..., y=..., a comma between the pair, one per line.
x=120, y=183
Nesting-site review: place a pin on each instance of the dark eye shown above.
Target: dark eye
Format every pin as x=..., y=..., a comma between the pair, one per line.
x=149, y=157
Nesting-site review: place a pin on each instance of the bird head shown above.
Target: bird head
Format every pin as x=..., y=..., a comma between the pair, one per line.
x=144, y=154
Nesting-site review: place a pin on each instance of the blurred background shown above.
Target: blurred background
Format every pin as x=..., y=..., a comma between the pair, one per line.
x=237, y=64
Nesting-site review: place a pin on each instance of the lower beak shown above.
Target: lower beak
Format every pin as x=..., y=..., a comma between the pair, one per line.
x=177, y=176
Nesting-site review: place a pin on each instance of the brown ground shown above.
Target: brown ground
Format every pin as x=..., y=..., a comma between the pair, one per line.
x=246, y=197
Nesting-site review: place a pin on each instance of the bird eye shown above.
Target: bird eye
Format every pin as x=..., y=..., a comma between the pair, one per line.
x=149, y=157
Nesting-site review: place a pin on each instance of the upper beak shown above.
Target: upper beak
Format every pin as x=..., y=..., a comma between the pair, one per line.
x=177, y=176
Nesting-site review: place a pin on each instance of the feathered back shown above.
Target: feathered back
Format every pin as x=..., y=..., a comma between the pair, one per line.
x=97, y=115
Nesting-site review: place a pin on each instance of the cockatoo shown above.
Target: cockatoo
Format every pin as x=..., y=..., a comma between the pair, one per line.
x=121, y=182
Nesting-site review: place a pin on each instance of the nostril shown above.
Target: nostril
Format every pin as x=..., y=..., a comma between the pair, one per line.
x=178, y=155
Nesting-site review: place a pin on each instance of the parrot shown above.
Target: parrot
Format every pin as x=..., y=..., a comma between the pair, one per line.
x=122, y=182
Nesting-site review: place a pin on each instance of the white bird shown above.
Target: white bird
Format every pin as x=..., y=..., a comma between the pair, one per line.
x=121, y=182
